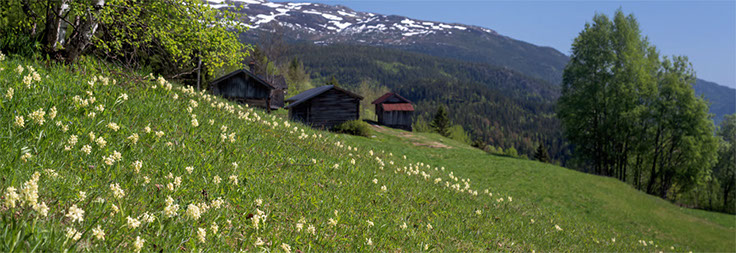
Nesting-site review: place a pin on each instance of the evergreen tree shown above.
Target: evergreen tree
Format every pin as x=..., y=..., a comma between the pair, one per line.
x=441, y=122
x=541, y=154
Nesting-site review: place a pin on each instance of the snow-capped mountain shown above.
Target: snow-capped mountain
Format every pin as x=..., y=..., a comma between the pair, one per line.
x=328, y=24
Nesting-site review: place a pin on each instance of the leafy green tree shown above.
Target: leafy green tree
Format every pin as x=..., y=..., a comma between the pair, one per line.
x=623, y=107
x=173, y=34
x=725, y=169
x=441, y=122
x=458, y=133
x=333, y=81
x=541, y=154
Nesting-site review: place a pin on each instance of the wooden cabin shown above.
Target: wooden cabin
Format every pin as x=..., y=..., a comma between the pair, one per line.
x=245, y=87
x=394, y=111
x=324, y=107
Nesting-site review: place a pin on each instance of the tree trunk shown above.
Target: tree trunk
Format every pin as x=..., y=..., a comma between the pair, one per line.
x=82, y=36
x=653, y=174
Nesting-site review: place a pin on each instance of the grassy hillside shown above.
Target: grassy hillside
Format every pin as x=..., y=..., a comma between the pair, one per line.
x=233, y=178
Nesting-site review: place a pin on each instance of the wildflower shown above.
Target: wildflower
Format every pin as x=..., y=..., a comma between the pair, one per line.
x=201, y=234
x=159, y=134
x=38, y=116
x=171, y=208
x=9, y=93
x=2, y=56
x=147, y=129
x=352, y=161
x=19, y=121
x=52, y=112
x=82, y=196
x=92, y=115
x=286, y=247
x=212, y=122
x=383, y=188
x=177, y=181
x=115, y=209
x=235, y=165
x=558, y=227
x=113, y=126
x=217, y=203
x=117, y=191
x=336, y=166
x=369, y=242
x=11, y=196
x=133, y=223
x=312, y=230
x=375, y=181
x=299, y=226
x=72, y=233
x=193, y=212
x=613, y=239
x=123, y=96
x=138, y=244
x=216, y=180
x=100, y=108
x=370, y=223
x=137, y=165
x=189, y=169
x=429, y=226
x=332, y=222
x=234, y=180
x=478, y=212
x=75, y=214
x=258, y=242
x=214, y=228
x=146, y=180
x=147, y=218
x=403, y=226
x=532, y=221
x=42, y=209
x=259, y=202
x=176, y=96
x=170, y=186
x=510, y=199
x=87, y=149
x=19, y=69
x=195, y=123
x=101, y=142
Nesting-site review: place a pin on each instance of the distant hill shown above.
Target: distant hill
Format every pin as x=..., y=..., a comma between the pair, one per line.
x=722, y=99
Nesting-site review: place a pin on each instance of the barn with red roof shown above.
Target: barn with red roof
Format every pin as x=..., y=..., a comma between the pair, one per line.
x=394, y=111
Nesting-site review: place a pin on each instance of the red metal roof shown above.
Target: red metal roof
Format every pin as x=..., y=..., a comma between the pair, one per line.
x=398, y=107
x=388, y=95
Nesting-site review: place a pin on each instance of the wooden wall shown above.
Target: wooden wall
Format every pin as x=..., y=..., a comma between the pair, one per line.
x=327, y=109
x=396, y=119
x=242, y=87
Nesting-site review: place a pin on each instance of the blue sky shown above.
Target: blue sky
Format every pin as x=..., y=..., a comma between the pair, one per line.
x=705, y=31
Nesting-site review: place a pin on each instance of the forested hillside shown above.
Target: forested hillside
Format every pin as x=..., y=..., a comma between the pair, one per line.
x=498, y=106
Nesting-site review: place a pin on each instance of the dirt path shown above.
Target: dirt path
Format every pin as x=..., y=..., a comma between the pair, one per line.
x=410, y=137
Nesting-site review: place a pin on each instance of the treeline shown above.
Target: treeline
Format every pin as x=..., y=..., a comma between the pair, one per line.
x=498, y=108
x=633, y=115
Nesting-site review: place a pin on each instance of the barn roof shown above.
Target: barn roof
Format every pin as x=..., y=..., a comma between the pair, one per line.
x=246, y=72
x=389, y=95
x=398, y=107
x=310, y=93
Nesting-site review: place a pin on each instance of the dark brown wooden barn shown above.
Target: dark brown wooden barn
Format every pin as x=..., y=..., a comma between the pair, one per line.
x=394, y=111
x=245, y=87
x=324, y=107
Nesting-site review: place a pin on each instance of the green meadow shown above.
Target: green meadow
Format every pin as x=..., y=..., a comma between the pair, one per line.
x=98, y=158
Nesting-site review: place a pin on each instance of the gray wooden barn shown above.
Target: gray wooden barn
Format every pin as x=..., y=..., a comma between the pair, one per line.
x=324, y=107
x=394, y=111
x=245, y=87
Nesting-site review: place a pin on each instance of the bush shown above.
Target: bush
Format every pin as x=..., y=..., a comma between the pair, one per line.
x=354, y=127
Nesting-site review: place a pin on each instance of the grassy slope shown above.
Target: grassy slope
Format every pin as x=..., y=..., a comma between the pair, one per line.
x=275, y=163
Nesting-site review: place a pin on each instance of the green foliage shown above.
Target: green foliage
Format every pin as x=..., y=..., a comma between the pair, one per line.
x=456, y=132
x=421, y=125
x=441, y=122
x=333, y=81
x=370, y=90
x=354, y=127
x=725, y=168
x=541, y=154
x=297, y=77
x=511, y=152
x=170, y=36
x=632, y=115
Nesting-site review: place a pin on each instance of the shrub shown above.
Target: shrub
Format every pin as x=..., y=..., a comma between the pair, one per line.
x=353, y=127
